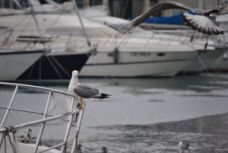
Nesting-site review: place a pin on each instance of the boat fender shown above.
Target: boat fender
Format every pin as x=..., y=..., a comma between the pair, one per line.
x=225, y=56
x=116, y=55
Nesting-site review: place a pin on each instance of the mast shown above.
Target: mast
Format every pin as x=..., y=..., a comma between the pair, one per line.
x=86, y=4
x=200, y=4
x=17, y=3
x=80, y=20
x=106, y=7
x=146, y=5
x=36, y=22
x=10, y=4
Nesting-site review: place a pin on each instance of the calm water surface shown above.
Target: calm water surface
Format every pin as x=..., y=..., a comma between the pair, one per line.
x=154, y=114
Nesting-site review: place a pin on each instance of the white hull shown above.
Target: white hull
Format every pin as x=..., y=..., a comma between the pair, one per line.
x=29, y=148
x=204, y=60
x=14, y=63
x=137, y=64
x=221, y=64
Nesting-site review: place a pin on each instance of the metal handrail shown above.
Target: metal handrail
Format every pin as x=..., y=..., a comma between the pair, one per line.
x=23, y=125
x=37, y=87
x=78, y=113
x=147, y=35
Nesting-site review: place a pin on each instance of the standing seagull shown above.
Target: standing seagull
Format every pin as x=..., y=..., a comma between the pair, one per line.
x=184, y=148
x=26, y=137
x=83, y=91
x=203, y=21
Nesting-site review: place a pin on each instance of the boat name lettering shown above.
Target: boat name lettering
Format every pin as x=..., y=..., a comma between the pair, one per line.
x=139, y=54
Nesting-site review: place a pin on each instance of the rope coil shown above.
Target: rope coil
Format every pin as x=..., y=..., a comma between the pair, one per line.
x=10, y=130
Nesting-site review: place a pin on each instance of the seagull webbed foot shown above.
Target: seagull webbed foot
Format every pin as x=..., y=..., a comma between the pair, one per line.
x=192, y=37
x=80, y=105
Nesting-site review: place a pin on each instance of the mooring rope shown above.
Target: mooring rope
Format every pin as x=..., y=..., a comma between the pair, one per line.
x=10, y=130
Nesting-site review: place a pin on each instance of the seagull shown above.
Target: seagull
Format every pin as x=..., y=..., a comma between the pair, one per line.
x=26, y=137
x=202, y=20
x=83, y=91
x=104, y=149
x=184, y=147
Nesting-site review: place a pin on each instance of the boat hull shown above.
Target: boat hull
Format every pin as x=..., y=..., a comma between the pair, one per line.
x=220, y=65
x=55, y=66
x=28, y=148
x=14, y=63
x=137, y=64
x=204, y=60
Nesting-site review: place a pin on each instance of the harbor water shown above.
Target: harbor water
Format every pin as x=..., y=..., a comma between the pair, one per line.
x=154, y=114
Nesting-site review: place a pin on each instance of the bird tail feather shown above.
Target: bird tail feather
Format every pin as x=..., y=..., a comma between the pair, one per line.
x=102, y=96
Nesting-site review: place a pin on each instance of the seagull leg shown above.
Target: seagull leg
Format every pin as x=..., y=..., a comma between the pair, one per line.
x=205, y=46
x=192, y=37
x=80, y=106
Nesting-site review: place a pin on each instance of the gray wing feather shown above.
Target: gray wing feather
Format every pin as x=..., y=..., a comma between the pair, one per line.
x=157, y=8
x=85, y=91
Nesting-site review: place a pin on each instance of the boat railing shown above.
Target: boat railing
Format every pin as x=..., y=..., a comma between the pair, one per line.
x=166, y=37
x=182, y=36
x=72, y=117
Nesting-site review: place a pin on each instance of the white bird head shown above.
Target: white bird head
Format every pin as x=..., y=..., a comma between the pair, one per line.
x=183, y=146
x=73, y=82
x=180, y=144
x=74, y=73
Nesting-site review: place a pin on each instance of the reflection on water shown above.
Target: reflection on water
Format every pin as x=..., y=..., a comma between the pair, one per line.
x=154, y=114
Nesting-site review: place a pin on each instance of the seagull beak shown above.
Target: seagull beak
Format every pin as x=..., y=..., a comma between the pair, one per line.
x=76, y=74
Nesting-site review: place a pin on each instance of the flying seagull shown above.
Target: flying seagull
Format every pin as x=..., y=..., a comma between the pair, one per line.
x=83, y=91
x=202, y=20
x=183, y=147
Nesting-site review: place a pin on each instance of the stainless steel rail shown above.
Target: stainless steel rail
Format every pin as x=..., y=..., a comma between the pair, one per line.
x=72, y=113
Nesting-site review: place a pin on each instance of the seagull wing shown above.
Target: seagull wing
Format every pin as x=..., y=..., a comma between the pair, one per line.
x=201, y=23
x=85, y=91
x=157, y=8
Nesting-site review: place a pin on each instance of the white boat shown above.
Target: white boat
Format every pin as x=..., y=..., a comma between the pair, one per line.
x=93, y=68
x=165, y=58
x=14, y=63
x=203, y=60
x=138, y=59
x=45, y=122
x=101, y=64
x=25, y=36
x=116, y=55
x=221, y=64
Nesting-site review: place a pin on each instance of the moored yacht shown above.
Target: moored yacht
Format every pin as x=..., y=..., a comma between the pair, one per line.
x=14, y=63
x=138, y=59
x=116, y=54
x=55, y=66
